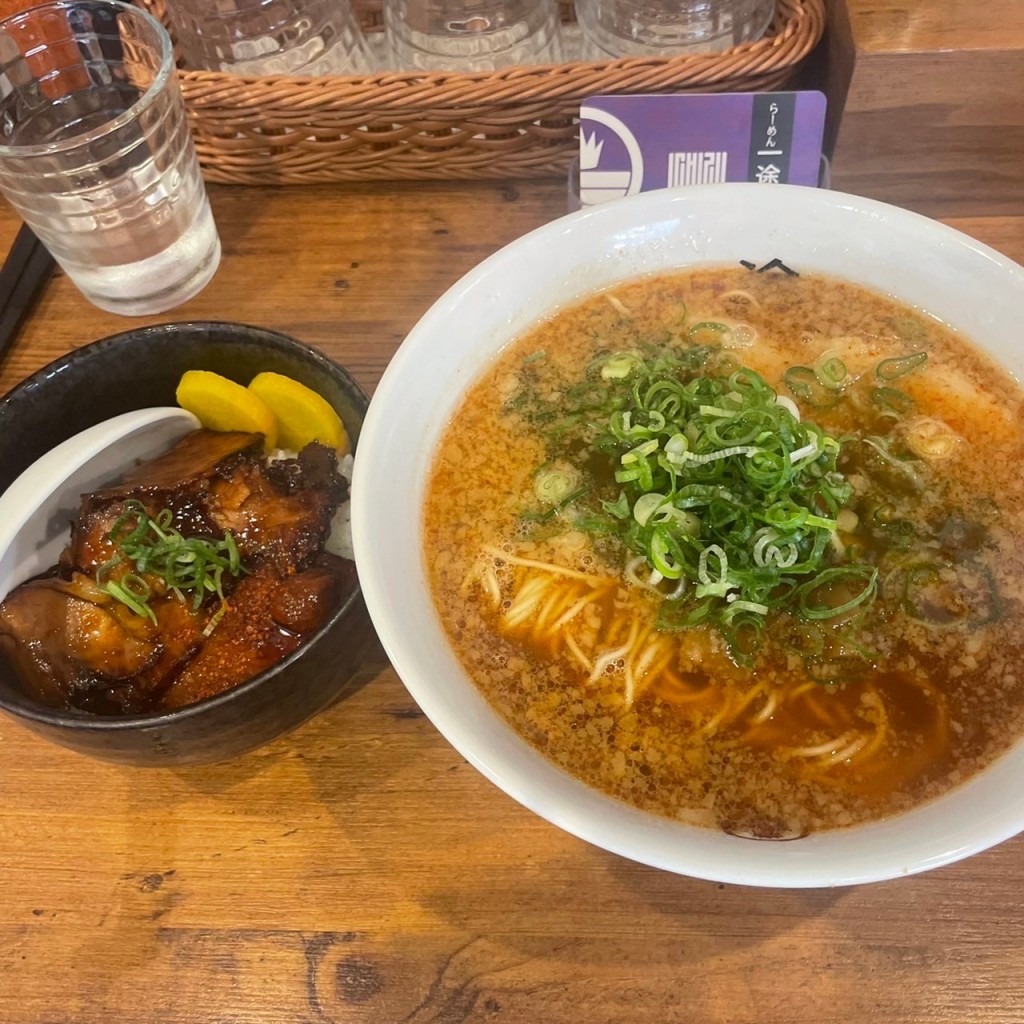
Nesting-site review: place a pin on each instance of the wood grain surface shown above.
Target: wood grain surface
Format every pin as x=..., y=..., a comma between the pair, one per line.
x=936, y=25
x=925, y=103
x=359, y=870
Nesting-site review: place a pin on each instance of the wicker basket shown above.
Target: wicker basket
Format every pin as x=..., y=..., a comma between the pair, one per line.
x=516, y=123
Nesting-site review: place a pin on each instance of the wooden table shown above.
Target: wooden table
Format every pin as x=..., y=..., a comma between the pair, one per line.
x=925, y=102
x=359, y=869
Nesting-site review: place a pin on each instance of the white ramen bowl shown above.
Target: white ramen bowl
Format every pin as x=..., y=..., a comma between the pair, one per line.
x=918, y=261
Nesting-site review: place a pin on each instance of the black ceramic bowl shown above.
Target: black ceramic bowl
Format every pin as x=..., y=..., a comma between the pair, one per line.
x=135, y=370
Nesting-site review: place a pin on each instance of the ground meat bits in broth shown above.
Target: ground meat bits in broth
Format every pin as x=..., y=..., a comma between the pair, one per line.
x=931, y=691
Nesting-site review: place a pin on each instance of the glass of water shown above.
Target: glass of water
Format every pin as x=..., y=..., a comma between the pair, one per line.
x=471, y=35
x=663, y=28
x=97, y=157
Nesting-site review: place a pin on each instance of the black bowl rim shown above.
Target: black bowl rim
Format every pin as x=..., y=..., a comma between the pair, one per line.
x=277, y=340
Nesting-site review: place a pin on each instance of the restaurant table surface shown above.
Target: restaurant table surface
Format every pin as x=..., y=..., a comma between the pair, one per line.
x=359, y=869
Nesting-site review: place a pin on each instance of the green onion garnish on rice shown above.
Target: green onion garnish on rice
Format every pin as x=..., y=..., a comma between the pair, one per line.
x=153, y=548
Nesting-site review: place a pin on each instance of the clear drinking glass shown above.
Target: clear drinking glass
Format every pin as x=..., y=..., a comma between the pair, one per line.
x=471, y=35
x=661, y=28
x=96, y=154
x=270, y=37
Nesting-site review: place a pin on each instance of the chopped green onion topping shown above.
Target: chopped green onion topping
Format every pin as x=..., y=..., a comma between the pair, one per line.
x=724, y=487
x=862, y=580
x=620, y=365
x=806, y=385
x=899, y=366
x=831, y=372
x=554, y=484
x=892, y=400
x=154, y=549
x=133, y=591
x=709, y=332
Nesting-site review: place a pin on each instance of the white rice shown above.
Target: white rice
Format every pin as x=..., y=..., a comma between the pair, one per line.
x=339, y=540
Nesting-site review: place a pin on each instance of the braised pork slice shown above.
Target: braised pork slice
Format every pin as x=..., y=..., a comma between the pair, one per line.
x=67, y=638
x=303, y=602
x=195, y=457
x=74, y=643
x=179, y=479
x=78, y=647
x=282, y=514
x=251, y=636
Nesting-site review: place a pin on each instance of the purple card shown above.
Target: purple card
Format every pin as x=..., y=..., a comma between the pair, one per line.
x=631, y=144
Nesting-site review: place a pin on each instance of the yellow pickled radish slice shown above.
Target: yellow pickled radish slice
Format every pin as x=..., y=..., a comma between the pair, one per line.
x=221, y=404
x=302, y=415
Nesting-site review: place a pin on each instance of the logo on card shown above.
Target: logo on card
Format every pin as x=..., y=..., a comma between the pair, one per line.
x=610, y=167
x=631, y=144
x=697, y=168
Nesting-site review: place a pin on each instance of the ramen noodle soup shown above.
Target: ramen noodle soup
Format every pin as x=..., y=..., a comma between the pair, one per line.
x=741, y=549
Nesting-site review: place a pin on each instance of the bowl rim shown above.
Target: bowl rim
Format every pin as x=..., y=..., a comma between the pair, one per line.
x=81, y=720
x=405, y=654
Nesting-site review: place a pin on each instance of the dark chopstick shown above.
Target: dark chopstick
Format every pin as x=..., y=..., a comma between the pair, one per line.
x=24, y=245
x=23, y=277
